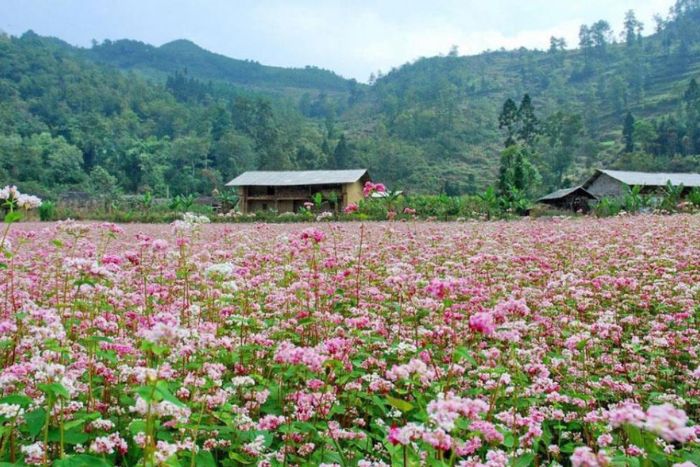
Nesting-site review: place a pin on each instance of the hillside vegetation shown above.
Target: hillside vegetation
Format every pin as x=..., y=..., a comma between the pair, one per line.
x=130, y=117
x=182, y=54
x=438, y=118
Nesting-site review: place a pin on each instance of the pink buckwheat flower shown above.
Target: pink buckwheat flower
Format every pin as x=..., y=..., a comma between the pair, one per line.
x=669, y=423
x=482, y=322
x=583, y=456
x=34, y=453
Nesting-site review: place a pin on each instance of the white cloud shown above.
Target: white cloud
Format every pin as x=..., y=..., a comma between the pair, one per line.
x=359, y=39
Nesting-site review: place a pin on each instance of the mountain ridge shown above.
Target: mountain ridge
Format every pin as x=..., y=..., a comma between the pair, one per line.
x=431, y=125
x=201, y=63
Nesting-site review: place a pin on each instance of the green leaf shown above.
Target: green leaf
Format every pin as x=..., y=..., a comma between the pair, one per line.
x=84, y=281
x=35, y=421
x=109, y=355
x=205, y=459
x=73, y=424
x=625, y=461
x=54, y=389
x=464, y=353
x=16, y=399
x=137, y=426
x=634, y=434
x=81, y=460
x=173, y=461
x=508, y=440
x=239, y=458
x=12, y=216
x=693, y=457
x=69, y=437
x=159, y=350
x=148, y=394
x=162, y=389
x=658, y=459
x=568, y=448
x=399, y=404
x=524, y=461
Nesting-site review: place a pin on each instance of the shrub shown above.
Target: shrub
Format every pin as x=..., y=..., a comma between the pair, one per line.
x=607, y=207
x=694, y=197
x=47, y=211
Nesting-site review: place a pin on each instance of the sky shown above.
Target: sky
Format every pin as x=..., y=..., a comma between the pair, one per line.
x=352, y=38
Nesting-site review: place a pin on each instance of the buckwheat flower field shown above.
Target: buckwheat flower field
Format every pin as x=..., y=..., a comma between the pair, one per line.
x=534, y=342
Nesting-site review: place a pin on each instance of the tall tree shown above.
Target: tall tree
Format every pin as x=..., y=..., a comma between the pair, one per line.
x=601, y=34
x=341, y=154
x=585, y=42
x=508, y=120
x=632, y=29
x=691, y=99
x=562, y=136
x=516, y=175
x=529, y=123
x=556, y=44
x=692, y=93
x=628, y=132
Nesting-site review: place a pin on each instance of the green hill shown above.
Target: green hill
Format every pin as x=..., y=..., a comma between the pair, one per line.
x=68, y=123
x=179, y=119
x=436, y=119
x=182, y=54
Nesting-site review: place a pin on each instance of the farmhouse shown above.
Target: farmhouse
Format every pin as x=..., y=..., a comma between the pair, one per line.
x=287, y=191
x=615, y=183
x=574, y=199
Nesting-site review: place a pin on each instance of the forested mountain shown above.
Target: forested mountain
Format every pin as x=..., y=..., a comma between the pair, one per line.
x=67, y=123
x=174, y=119
x=182, y=54
x=437, y=119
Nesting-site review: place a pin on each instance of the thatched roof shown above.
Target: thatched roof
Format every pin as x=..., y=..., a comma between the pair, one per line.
x=298, y=177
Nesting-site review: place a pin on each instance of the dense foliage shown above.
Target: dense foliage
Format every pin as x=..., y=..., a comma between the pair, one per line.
x=491, y=344
x=183, y=54
x=442, y=113
x=178, y=119
x=67, y=124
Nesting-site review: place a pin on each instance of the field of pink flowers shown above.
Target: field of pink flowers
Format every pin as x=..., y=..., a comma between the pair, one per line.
x=548, y=342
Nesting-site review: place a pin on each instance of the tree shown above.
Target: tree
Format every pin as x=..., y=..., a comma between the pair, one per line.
x=562, y=137
x=633, y=28
x=600, y=35
x=102, y=183
x=645, y=136
x=556, y=44
x=341, y=154
x=628, y=132
x=309, y=157
x=529, y=123
x=585, y=42
x=692, y=93
x=516, y=175
x=618, y=93
x=691, y=99
x=508, y=120
x=61, y=162
x=233, y=154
